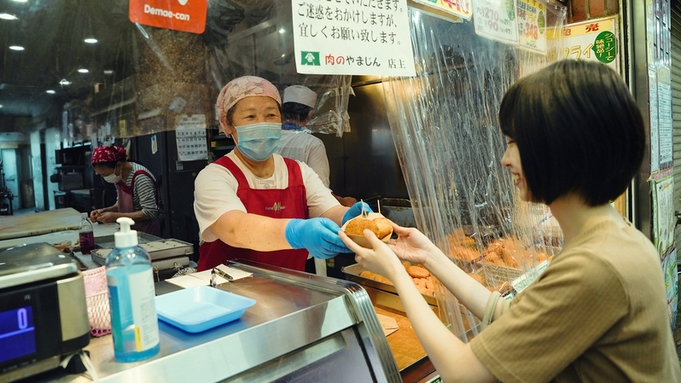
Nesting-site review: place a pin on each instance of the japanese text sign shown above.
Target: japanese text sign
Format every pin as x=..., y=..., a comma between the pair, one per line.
x=461, y=8
x=357, y=37
x=592, y=40
x=531, y=15
x=496, y=20
x=178, y=15
x=190, y=133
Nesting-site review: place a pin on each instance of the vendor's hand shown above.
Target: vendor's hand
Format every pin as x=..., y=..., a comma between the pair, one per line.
x=318, y=235
x=107, y=217
x=355, y=210
x=94, y=214
x=412, y=245
x=379, y=259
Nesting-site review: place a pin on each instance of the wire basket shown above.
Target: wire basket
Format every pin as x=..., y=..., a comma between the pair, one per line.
x=495, y=275
x=97, y=299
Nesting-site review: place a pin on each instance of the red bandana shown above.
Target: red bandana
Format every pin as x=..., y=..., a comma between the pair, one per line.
x=108, y=154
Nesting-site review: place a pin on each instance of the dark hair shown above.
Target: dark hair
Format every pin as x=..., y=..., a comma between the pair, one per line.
x=578, y=130
x=295, y=111
x=108, y=164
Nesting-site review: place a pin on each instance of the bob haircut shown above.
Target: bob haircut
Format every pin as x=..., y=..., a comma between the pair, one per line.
x=578, y=130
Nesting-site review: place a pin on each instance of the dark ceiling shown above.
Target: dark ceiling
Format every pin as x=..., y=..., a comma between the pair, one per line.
x=52, y=32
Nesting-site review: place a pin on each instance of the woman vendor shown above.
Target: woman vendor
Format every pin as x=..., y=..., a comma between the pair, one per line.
x=136, y=188
x=255, y=204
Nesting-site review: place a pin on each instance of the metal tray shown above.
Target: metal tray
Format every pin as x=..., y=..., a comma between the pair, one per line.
x=159, y=249
x=352, y=274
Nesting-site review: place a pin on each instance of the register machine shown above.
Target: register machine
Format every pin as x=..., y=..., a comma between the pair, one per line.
x=43, y=312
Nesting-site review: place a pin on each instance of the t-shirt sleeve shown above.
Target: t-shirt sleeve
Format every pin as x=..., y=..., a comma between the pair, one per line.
x=319, y=197
x=214, y=195
x=145, y=190
x=554, y=321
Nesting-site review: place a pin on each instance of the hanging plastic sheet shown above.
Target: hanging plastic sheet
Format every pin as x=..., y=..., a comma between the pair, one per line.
x=444, y=124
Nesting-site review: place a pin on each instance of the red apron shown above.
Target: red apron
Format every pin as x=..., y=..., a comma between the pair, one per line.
x=275, y=203
x=125, y=205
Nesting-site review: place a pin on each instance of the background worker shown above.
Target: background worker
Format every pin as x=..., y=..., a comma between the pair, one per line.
x=297, y=142
x=137, y=192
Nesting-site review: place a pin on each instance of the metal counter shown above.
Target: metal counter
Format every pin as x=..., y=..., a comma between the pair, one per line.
x=303, y=328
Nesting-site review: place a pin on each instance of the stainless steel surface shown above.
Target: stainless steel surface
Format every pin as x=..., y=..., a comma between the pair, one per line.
x=299, y=319
x=635, y=56
x=72, y=310
x=25, y=264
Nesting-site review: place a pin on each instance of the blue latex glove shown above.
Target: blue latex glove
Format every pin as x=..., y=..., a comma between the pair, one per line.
x=318, y=235
x=356, y=210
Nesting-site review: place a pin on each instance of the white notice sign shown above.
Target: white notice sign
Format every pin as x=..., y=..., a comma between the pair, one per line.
x=360, y=37
x=495, y=20
x=190, y=134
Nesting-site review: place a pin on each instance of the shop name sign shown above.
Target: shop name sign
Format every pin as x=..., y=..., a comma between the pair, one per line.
x=178, y=15
x=359, y=37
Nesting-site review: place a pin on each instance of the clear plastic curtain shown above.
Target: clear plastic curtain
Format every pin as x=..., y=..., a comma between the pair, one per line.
x=444, y=125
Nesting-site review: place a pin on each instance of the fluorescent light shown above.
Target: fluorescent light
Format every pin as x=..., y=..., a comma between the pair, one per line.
x=50, y=91
x=90, y=40
x=108, y=72
x=20, y=1
x=83, y=70
x=282, y=30
x=16, y=47
x=64, y=82
x=7, y=16
x=0, y=105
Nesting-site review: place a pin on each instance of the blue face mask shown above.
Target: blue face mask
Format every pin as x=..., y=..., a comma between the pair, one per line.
x=258, y=141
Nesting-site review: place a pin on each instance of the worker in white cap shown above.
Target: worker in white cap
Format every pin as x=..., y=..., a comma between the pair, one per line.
x=297, y=143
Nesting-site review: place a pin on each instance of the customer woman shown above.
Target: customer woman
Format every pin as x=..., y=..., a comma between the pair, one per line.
x=598, y=313
x=255, y=204
x=136, y=188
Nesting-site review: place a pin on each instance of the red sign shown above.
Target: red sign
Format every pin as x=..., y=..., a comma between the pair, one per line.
x=178, y=15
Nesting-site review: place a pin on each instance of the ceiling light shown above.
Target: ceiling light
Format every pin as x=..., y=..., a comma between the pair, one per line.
x=0, y=105
x=7, y=16
x=20, y=1
x=90, y=40
x=83, y=70
x=108, y=72
x=16, y=47
x=64, y=82
x=50, y=91
x=282, y=30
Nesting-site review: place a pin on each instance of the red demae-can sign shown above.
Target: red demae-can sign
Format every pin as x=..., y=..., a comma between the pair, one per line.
x=178, y=15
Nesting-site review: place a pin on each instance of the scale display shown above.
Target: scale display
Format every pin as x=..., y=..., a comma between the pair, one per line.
x=17, y=333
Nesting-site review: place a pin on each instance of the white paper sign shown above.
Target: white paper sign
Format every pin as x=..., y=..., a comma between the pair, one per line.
x=365, y=38
x=595, y=40
x=190, y=134
x=496, y=20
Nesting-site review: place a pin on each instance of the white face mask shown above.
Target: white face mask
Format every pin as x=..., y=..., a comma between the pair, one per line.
x=112, y=178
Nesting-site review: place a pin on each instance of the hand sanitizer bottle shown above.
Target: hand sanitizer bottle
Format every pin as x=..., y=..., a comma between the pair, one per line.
x=134, y=324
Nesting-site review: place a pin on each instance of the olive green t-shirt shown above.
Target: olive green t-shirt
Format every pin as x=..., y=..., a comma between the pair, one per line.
x=598, y=313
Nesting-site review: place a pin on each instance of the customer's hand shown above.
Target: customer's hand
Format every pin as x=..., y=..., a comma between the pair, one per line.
x=412, y=245
x=379, y=259
x=318, y=235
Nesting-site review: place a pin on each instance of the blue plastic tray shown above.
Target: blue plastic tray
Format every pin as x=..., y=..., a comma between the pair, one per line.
x=201, y=308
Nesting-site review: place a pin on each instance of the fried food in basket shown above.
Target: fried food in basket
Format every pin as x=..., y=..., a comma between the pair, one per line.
x=423, y=280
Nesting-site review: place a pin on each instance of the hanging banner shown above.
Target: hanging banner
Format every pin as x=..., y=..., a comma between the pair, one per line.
x=461, y=8
x=495, y=20
x=178, y=15
x=595, y=40
x=531, y=15
x=361, y=38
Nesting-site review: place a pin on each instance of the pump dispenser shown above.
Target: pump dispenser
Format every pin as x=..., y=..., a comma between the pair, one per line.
x=134, y=323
